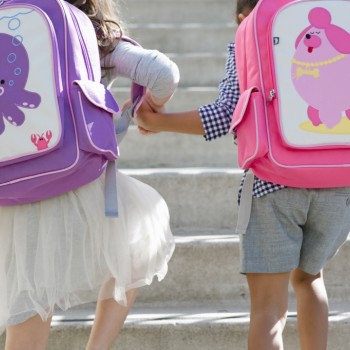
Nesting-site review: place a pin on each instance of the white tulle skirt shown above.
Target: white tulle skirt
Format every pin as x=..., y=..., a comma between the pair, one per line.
x=58, y=252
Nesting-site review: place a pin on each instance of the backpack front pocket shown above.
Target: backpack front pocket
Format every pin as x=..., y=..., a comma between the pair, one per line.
x=249, y=124
x=94, y=107
x=30, y=99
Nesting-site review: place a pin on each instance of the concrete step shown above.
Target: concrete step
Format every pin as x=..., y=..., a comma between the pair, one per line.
x=181, y=11
x=202, y=322
x=171, y=150
x=189, y=328
x=197, y=197
x=204, y=270
x=185, y=37
x=192, y=97
x=184, y=99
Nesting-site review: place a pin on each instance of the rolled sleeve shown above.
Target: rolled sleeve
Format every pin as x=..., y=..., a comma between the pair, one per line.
x=216, y=117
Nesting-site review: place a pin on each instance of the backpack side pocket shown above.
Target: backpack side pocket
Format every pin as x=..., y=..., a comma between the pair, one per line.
x=249, y=124
x=94, y=107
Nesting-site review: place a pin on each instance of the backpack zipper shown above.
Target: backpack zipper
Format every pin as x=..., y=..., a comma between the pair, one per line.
x=272, y=94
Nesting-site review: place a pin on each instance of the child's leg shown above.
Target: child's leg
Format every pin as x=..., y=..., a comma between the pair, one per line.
x=109, y=320
x=268, y=313
x=30, y=335
x=312, y=305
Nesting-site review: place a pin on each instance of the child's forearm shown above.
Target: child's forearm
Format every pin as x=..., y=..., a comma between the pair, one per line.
x=184, y=122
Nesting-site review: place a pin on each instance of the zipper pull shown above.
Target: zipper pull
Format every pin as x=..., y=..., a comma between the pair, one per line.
x=272, y=94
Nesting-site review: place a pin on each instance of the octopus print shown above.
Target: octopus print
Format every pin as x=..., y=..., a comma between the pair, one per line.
x=14, y=70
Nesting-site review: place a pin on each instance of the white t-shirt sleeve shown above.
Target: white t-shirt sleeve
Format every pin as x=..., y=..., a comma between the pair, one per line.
x=149, y=68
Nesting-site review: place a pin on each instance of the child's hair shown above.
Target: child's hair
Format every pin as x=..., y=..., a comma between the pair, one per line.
x=243, y=5
x=104, y=16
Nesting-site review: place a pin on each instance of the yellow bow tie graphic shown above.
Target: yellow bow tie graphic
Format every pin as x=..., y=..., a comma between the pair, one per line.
x=313, y=72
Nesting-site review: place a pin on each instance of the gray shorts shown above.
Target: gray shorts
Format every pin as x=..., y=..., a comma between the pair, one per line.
x=292, y=228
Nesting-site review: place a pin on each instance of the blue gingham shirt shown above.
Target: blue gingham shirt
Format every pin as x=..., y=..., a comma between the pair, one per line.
x=216, y=117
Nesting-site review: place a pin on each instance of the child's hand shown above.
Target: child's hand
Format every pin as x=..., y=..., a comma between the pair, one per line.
x=144, y=108
x=126, y=104
x=144, y=117
x=146, y=132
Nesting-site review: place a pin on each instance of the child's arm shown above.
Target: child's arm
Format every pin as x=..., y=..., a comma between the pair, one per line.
x=211, y=121
x=188, y=122
x=149, y=68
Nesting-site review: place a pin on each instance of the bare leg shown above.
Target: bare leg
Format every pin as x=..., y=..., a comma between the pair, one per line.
x=109, y=320
x=269, y=307
x=312, y=305
x=32, y=334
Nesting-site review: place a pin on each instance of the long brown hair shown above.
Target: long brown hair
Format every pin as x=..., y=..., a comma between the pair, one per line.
x=105, y=17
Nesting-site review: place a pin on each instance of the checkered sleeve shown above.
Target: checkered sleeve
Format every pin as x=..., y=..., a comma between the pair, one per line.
x=216, y=117
x=260, y=187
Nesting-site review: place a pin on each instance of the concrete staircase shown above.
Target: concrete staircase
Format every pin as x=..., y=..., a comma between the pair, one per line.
x=203, y=301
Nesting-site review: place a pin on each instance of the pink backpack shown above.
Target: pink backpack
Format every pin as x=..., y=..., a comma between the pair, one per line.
x=56, y=118
x=293, y=116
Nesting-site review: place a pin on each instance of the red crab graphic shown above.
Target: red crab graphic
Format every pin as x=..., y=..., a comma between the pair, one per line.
x=40, y=141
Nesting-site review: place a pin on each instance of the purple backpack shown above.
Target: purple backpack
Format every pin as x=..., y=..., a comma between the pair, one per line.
x=56, y=118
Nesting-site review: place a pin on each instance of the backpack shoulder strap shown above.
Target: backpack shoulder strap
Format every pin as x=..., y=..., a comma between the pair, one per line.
x=137, y=93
